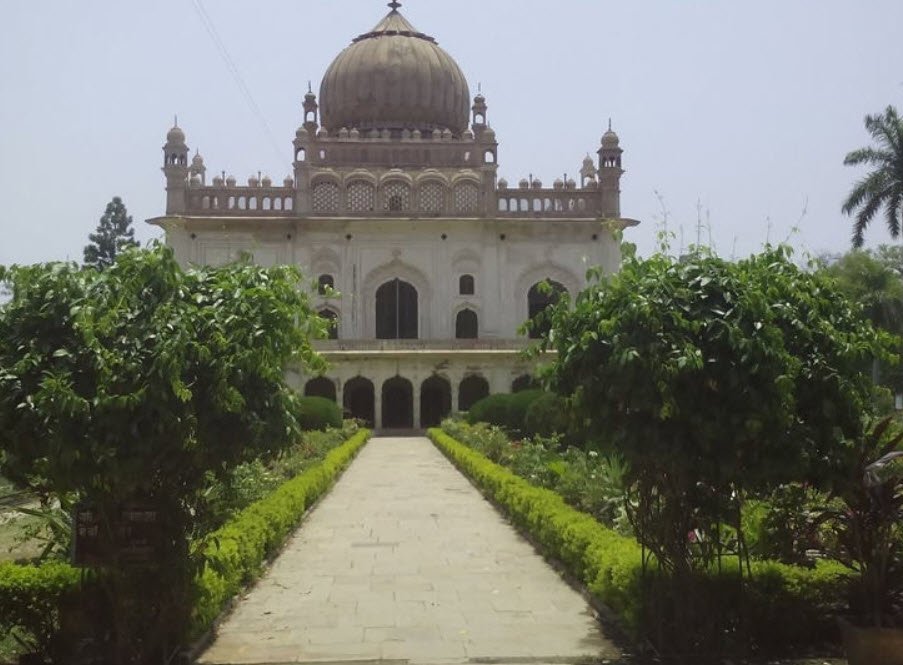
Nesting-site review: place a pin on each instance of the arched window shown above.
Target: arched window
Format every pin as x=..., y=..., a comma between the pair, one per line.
x=361, y=196
x=466, y=325
x=466, y=198
x=324, y=283
x=325, y=197
x=396, y=311
x=432, y=197
x=397, y=196
x=333, y=320
x=466, y=285
x=540, y=297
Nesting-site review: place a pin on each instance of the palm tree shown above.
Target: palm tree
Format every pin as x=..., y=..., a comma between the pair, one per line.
x=884, y=185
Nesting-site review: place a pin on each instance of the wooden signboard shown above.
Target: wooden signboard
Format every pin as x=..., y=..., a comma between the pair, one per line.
x=137, y=531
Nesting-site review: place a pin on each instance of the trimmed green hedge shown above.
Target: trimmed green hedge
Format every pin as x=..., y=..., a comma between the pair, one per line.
x=30, y=596
x=781, y=607
x=238, y=550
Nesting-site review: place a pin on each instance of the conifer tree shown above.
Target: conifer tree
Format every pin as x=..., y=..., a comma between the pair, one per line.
x=114, y=234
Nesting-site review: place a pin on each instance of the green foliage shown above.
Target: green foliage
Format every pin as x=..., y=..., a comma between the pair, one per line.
x=508, y=410
x=546, y=415
x=32, y=597
x=714, y=380
x=785, y=525
x=869, y=525
x=318, y=413
x=883, y=186
x=114, y=234
x=137, y=382
x=235, y=553
x=782, y=606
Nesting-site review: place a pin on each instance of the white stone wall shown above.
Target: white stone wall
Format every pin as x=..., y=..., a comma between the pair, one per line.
x=379, y=250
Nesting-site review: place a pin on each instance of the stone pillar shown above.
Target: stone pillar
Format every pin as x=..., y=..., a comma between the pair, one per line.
x=377, y=403
x=416, y=384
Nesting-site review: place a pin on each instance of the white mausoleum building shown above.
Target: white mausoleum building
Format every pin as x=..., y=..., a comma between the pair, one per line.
x=395, y=201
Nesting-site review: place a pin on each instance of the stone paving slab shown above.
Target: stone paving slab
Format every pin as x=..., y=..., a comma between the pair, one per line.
x=404, y=561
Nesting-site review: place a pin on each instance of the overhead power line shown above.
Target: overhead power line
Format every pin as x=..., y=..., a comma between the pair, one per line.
x=210, y=27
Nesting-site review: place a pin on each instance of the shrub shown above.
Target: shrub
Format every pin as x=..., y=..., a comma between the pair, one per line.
x=546, y=415
x=504, y=410
x=30, y=598
x=318, y=413
x=774, y=609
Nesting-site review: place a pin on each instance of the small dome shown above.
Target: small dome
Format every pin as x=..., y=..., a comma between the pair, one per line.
x=322, y=133
x=416, y=135
x=571, y=183
x=343, y=133
x=197, y=160
x=537, y=183
x=253, y=181
x=610, y=139
x=503, y=184
x=355, y=133
x=437, y=134
x=489, y=134
x=175, y=135
x=467, y=135
x=267, y=181
x=524, y=183
x=218, y=181
x=447, y=134
x=588, y=162
x=395, y=77
x=288, y=182
x=230, y=181
x=591, y=184
x=195, y=181
x=558, y=184
x=302, y=133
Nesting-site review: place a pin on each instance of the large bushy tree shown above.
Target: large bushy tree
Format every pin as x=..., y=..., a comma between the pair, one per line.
x=713, y=379
x=882, y=187
x=113, y=235
x=134, y=384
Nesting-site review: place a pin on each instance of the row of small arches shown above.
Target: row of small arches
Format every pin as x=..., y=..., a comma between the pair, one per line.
x=397, y=393
x=214, y=202
x=542, y=205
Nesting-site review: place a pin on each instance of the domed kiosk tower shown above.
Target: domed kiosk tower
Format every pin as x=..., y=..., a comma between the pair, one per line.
x=424, y=261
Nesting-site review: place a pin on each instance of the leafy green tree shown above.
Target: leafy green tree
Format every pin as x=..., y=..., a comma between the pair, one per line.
x=871, y=279
x=113, y=235
x=136, y=383
x=883, y=186
x=713, y=380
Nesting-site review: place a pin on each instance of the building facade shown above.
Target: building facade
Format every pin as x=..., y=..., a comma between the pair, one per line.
x=427, y=263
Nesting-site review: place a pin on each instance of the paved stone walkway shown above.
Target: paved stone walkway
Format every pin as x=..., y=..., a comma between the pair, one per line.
x=405, y=561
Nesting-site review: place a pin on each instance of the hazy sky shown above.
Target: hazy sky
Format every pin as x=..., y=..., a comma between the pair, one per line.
x=745, y=107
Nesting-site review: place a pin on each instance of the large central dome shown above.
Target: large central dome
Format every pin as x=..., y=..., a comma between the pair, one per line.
x=394, y=77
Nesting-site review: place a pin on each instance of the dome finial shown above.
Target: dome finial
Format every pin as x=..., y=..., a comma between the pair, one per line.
x=394, y=5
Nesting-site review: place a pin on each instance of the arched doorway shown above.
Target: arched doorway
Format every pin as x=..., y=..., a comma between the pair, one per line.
x=541, y=296
x=358, y=400
x=435, y=401
x=466, y=325
x=398, y=404
x=525, y=382
x=396, y=311
x=320, y=387
x=471, y=391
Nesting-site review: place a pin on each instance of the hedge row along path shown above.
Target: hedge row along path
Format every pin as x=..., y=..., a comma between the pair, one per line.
x=405, y=561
